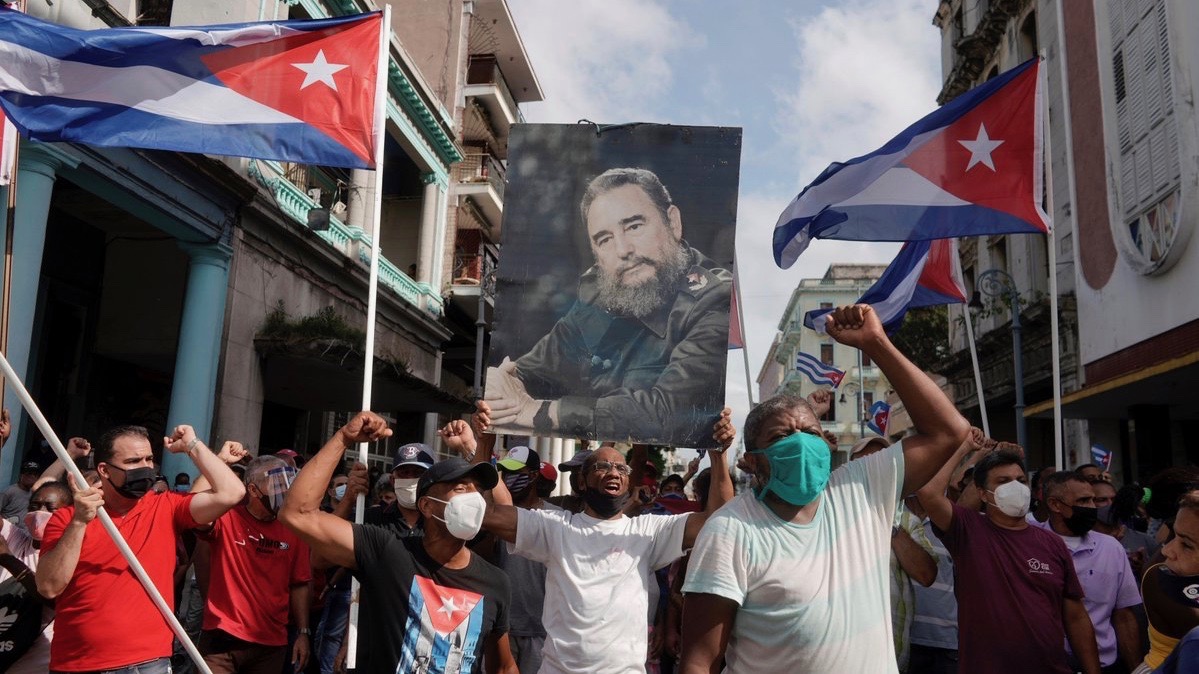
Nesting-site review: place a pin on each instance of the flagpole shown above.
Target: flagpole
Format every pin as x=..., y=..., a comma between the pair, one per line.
x=39, y=420
x=978, y=377
x=749, y=386
x=1051, y=243
x=10, y=228
x=372, y=298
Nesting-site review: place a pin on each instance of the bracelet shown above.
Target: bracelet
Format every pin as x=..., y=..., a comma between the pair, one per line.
x=304, y=630
x=192, y=445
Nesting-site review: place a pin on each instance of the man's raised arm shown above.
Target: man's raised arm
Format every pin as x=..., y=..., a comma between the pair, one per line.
x=940, y=429
x=329, y=536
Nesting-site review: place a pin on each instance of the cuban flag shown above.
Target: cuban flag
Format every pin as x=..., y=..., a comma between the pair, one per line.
x=1101, y=457
x=818, y=372
x=298, y=91
x=924, y=274
x=974, y=166
x=880, y=417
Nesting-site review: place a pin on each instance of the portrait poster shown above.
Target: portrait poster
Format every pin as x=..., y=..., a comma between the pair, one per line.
x=614, y=283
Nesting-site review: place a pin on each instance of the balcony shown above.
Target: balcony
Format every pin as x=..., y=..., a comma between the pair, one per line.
x=480, y=178
x=474, y=273
x=485, y=83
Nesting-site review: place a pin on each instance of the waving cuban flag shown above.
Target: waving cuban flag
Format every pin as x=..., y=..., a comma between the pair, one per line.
x=974, y=166
x=820, y=373
x=301, y=91
x=924, y=274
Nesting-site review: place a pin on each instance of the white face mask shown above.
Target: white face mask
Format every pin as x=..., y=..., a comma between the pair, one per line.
x=463, y=514
x=1012, y=498
x=405, y=488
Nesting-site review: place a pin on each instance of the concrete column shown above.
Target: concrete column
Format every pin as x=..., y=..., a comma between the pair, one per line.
x=428, y=230
x=430, y=433
x=359, y=199
x=437, y=273
x=198, y=354
x=39, y=166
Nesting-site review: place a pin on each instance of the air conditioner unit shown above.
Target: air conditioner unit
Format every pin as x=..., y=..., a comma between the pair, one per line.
x=314, y=193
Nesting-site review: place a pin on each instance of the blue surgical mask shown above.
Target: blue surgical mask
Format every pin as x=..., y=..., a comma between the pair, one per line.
x=799, y=468
x=339, y=492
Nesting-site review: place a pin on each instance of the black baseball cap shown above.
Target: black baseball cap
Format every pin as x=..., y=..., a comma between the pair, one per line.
x=455, y=468
x=575, y=462
x=30, y=467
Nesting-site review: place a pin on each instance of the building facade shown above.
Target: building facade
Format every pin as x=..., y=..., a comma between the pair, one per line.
x=161, y=288
x=1124, y=145
x=863, y=384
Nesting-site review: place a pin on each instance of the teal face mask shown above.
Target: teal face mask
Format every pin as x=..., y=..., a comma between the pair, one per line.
x=799, y=468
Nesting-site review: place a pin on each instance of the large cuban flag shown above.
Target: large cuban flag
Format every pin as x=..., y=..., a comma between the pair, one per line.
x=924, y=274
x=301, y=91
x=974, y=166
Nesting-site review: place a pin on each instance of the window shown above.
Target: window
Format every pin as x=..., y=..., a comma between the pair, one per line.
x=826, y=354
x=867, y=401
x=826, y=305
x=1148, y=162
x=866, y=362
x=831, y=414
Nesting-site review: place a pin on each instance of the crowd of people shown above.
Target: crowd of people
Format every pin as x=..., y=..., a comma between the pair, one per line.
x=938, y=553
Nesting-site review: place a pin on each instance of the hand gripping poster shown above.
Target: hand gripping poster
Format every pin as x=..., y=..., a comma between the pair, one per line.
x=614, y=282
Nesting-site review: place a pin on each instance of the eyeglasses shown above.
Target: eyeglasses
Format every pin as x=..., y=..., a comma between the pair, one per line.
x=602, y=467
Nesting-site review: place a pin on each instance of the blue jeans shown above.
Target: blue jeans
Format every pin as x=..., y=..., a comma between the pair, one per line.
x=332, y=629
x=158, y=666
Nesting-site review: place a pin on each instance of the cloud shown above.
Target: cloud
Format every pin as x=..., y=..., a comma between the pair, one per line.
x=865, y=70
x=606, y=61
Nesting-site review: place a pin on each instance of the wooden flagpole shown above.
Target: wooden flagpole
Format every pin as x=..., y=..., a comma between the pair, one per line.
x=749, y=384
x=978, y=377
x=372, y=298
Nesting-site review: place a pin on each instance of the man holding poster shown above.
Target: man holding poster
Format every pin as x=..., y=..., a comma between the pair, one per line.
x=645, y=341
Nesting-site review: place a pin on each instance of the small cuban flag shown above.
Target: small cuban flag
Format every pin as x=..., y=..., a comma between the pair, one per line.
x=880, y=418
x=818, y=372
x=1101, y=457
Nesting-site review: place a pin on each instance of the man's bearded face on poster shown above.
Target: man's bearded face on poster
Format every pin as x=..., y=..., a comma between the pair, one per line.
x=637, y=243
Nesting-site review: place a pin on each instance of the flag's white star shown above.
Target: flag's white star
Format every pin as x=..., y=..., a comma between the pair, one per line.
x=320, y=70
x=981, y=148
x=448, y=606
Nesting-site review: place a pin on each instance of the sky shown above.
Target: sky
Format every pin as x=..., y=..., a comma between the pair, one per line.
x=810, y=82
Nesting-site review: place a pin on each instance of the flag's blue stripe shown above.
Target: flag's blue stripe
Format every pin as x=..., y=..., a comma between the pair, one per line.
x=912, y=223
x=67, y=120
x=814, y=363
x=124, y=47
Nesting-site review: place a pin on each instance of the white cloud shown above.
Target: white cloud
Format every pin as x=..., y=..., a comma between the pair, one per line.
x=607, y=61
x=865, y=70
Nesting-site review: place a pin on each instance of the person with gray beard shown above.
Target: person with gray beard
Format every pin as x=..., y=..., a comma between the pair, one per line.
x=641, y=351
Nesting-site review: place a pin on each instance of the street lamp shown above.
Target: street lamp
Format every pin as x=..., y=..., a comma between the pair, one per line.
x=999, y=284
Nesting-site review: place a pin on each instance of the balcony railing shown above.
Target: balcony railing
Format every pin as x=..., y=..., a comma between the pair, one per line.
x=474, y=262
x=481, y=167
x=350, y=241
x=483, y=69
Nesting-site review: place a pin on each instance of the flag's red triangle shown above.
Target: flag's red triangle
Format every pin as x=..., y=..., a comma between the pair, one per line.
x=268, y=73
x=1008, y=116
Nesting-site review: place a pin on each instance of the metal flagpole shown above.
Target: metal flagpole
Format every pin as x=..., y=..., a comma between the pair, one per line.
x=35, y=414
x=1051, y=243
x=749, y=386
x=978, y=377
x=372, y=299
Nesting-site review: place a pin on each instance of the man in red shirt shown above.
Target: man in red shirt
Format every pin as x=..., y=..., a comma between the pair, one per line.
x=259, y=572
x=105, y=620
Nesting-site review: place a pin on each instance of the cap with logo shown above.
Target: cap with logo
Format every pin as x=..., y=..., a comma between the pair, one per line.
x=548, y=472
x=30, y=467
x=520, y=458
x=454, y=469
x=414, y=454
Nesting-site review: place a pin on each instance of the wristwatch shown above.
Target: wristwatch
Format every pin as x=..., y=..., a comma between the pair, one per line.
x=304, y=630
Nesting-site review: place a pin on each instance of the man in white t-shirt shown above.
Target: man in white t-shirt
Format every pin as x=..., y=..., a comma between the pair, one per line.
x=793, y=576
x=600, y=564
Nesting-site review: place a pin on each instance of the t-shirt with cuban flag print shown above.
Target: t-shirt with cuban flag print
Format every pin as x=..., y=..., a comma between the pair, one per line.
x=420, y=616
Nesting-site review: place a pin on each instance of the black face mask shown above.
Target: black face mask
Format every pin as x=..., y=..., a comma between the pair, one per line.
x=604, y=504
x=1081, y=520
x=1182, y=589
x=138, y=481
